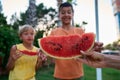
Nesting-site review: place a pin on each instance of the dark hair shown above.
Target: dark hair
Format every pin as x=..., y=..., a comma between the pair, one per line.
x=66, y=4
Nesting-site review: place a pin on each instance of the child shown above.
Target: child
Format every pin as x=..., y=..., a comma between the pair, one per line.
x=24, y=58
x=67, y=69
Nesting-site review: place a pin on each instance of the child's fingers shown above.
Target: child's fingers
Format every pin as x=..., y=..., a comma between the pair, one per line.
x=87, y=53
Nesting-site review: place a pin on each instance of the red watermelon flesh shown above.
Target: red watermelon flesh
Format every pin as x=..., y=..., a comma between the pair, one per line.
x=66, y=47
x=27, y=52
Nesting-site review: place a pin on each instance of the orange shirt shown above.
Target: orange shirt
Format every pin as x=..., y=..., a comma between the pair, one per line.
x=67, y=69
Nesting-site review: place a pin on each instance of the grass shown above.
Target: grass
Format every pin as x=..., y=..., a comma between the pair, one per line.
x=107, y=73
x=46, y=73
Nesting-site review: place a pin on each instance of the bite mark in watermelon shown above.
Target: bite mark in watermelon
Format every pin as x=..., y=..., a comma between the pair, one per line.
x=66, y=47
x=27, y=52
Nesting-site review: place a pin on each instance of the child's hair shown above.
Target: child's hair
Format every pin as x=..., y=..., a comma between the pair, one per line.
x=25, y=28
x=66, y=4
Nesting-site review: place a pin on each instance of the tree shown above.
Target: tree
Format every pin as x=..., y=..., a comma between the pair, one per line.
x=2, y=20
x=8, y=37
x=59, y=2
x=0, y=7
x=113, y=46
x=43, y=15
x=31, y=17
x=46, y=17
x=2, y=17
x=14, y=21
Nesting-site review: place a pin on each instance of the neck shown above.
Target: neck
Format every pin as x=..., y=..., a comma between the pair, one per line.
x=28, y=46
x=67, y=27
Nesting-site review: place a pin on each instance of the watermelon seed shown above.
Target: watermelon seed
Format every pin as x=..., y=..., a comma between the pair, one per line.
x=76, y=46
x=57, y=46
x=85, y=38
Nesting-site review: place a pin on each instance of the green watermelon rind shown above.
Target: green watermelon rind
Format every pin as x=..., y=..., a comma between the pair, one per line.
x=57, y=57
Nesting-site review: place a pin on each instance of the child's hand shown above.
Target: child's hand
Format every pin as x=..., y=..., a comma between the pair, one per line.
x=42, y=56
x=17, y=55
x=98, y=46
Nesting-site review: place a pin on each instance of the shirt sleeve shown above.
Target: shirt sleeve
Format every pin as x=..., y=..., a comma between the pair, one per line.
x=79, y=31
x=51, y=33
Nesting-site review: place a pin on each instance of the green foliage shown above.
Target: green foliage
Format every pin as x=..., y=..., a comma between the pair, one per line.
x=69, y=1
x=39, y=35
x=83, y=24
x=22, y=19
x=1, y=7
x=41, y=14
x=77, y=25
x=14, y=21
x=113, y=46
x=41, y=10
x=8, y=37
x=2, y=20
x=72, y=1
x=45, y=15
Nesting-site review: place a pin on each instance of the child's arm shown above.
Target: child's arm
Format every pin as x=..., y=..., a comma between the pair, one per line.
x=39, y=63
x=12, y=58
x=41, y=59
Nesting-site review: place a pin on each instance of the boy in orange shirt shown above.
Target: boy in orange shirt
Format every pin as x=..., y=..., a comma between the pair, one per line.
x=71, y=69
x=67, y=69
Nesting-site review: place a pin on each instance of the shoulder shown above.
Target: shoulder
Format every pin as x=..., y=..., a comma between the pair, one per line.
x=79, y=30
x=54, y=31
x=14, y=47
x=18, y=45
x=36, y=48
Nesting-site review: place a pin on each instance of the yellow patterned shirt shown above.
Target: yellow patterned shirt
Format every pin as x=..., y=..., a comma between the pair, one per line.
x=24, y=68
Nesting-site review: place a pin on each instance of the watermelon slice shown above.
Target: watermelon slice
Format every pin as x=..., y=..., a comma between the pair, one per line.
x=27, y=52
x=66, y=47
